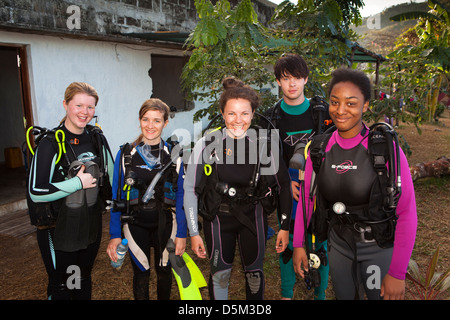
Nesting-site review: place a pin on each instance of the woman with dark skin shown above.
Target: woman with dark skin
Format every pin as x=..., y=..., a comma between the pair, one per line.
x=349, y=92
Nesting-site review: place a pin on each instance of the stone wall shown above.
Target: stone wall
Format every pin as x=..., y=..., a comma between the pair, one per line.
x=98, y=17
x=105, y=18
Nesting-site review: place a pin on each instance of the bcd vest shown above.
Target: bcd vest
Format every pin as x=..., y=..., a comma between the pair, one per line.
x=44, y=214
x=217, y=196
x=164, y=197
x=372, y=215
x=320, y=115
x=76, y=218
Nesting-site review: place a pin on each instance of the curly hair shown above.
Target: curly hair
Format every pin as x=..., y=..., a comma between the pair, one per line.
x=357, y=77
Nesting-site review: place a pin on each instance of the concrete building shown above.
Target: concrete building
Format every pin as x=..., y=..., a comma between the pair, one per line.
x=129, y=50
x=47, y=44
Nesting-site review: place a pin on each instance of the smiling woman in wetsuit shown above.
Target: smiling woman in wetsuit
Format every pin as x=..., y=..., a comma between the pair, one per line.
x=148, y=224
x=216, y=186
x=370, y=237
x=66, y=204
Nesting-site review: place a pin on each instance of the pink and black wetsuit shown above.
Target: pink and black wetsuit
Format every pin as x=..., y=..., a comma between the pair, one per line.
x=347, y=177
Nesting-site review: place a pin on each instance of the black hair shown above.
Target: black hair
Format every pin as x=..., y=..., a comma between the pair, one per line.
x=292, y=64
x=357, y=77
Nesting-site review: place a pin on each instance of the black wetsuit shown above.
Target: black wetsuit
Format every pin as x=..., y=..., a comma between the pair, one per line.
x=235, y=221
x=45, y=186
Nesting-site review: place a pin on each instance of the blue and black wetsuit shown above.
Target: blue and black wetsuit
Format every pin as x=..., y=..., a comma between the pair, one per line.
x=151, y=224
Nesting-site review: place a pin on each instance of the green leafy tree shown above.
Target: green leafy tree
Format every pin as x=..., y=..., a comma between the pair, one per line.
x=226, y=42
x=231, y=42
x=319, y=31
x=419, y=67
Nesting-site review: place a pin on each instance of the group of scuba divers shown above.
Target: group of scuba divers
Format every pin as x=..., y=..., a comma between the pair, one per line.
x=341, y=191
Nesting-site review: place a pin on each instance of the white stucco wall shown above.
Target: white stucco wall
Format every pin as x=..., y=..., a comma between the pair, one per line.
x=119, y=72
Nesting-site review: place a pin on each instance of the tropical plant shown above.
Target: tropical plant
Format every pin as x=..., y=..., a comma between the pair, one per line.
x=319, y=31
x=231, y=42
x=226, y=42
x=419, y=67
x=430, y=286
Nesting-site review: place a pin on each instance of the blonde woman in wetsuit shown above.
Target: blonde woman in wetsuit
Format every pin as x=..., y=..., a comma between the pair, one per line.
x=68, y=225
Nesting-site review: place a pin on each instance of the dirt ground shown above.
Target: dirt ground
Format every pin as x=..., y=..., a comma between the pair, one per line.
x=23, y=277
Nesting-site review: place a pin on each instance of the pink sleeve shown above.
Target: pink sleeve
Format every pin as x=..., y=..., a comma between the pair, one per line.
x=405, y=232
x=299, y=235
x=299, y=226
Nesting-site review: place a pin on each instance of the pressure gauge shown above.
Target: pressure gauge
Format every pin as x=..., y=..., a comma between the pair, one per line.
x=314, y=261
x=339, y=208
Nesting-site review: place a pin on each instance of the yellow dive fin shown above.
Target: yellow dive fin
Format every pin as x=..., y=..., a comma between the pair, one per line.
x=189, y=278
x=196, y=274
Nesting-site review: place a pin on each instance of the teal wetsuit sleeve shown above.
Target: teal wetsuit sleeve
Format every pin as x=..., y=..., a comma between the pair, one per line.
x=41, y=187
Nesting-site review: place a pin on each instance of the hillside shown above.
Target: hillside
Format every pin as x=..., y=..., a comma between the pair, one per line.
x=381, y=33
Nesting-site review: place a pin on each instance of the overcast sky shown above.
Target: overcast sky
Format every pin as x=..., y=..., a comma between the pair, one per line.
x=371, y=7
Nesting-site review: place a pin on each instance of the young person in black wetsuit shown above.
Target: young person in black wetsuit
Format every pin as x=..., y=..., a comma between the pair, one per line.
x=150, y=224
x=217, y=185
x=65, y=204
x=293, y=117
